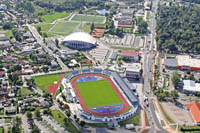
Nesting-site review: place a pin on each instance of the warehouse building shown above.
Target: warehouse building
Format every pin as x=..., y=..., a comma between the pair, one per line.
x=190, y=87
x=182, y=62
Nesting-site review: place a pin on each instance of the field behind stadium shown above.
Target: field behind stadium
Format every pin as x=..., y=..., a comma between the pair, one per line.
x=88, y=18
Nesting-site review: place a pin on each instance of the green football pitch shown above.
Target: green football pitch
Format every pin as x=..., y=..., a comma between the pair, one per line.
x=98, y=93
x=64, y=28
x=86, y=18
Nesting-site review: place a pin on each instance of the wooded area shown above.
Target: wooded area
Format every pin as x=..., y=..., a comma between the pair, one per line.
x=178, y=29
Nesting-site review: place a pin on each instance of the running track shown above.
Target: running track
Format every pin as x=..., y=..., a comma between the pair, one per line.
x=84, y=106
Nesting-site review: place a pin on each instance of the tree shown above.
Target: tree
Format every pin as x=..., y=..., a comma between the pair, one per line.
x=92, y=27
x=82, y=123
x=68, y=114
x=39, y=29
x=45, y=112
x=37, y=113
x=66, y=106
x=174, y=95
x=57, y=42
x=75, y=117
x=29, y=115
x=175, y=78
x=45, y=35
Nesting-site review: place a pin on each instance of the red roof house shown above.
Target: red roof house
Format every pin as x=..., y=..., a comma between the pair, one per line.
x=195, y=110
x=131, y=54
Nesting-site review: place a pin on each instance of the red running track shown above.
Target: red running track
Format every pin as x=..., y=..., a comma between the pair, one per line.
x=84, y=106
x=53, y=88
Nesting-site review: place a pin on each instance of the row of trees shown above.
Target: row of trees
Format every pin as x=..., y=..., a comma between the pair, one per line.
x=142, y=25
x=69, y=5
x=176, y=33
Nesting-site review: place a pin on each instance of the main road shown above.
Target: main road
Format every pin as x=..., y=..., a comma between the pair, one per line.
x=149, y=56
x=43, y=45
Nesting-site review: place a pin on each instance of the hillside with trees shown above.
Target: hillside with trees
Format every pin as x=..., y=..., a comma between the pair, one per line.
x=192, y=1
x=178, y=29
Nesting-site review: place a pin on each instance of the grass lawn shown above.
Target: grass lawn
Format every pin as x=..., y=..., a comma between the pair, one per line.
x=52, y=17
x=99, y=125
x=135, y=120
x=26, y=91
x=1, y=130
x=64, y=28
x=43, y=82
x=86, y=18
x=59, y=117
x=9, y=33
x=9, y=130
x=98, y=93
x=2, y=112
x=85, y=28
x=148, y=16
x=44, y=27
x=7, y=119
x=58, y=91
x=166, y=116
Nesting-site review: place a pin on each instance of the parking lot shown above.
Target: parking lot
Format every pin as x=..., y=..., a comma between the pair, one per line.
x=176, y=113
x=54, y=124
x=129, y=40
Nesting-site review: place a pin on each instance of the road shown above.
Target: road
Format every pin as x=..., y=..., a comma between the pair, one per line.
x=43, y=45
x=149, y=56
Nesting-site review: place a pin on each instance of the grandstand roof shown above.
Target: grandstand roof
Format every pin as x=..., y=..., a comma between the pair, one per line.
x=125, y=87
x=195, y=109
x=80, y=36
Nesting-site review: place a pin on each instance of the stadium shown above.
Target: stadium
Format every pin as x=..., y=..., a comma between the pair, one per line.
x=80, y=41
x=103, y=95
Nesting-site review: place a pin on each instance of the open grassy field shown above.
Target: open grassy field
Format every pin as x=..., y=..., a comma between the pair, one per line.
x=86, y=18
x=135, y=120
x=98, y=93
x=52, y=17
x=59, y=117
x=44, y=27
x=26, y=91
x=85, y=28
x=43, y=82
x=64, y=28
x=1, y=130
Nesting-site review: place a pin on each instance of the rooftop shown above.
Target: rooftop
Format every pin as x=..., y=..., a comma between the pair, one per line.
x=171, y=62
x=190, y=85
x=195, y=109
x=80, y=36
x=187, y=60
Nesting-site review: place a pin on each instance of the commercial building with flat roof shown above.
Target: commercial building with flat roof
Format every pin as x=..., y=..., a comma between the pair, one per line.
x=133, y=71
x=183, y=62
x=189, y=86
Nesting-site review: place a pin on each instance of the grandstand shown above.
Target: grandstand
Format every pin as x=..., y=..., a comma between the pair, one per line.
x=122, y=85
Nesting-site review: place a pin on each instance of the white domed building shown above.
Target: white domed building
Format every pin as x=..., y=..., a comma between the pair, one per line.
x=80, y=41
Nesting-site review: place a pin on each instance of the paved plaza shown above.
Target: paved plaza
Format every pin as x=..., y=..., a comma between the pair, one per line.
x=178, y=114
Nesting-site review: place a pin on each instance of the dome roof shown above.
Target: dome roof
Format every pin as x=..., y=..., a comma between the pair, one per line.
x=80, y=36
